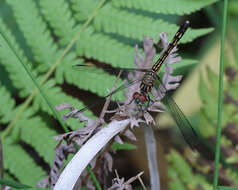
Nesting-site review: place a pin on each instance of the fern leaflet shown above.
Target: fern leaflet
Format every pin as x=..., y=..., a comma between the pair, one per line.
x=35, y=32
x=179, y=7
x=131, y=25
x=60, y=19
x=21, y=164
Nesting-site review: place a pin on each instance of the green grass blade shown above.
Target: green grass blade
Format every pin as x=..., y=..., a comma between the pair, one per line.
x=93, y=177
x=220, y=98
x=226, y=188
x=13, y=184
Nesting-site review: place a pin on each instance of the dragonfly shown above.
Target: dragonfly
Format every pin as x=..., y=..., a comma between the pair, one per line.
x=142, y=98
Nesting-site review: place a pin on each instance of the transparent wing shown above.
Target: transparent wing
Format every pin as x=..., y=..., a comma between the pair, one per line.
x=183, y=123
x=99, y=70
x=122, y=87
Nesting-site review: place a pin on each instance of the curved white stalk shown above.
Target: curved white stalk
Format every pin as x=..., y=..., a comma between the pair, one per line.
x=86, y=153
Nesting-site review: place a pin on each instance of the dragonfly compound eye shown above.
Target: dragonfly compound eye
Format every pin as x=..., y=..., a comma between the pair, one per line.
x=136, y=95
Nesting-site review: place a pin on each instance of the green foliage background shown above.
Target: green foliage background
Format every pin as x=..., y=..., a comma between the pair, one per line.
x=40, y=32
x=189, y=170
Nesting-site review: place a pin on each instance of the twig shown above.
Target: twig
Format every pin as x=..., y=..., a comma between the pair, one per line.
x=141, y=182
x=129, y=181
x=104, y=110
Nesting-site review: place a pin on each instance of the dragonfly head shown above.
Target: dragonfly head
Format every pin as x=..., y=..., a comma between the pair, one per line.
x=141, y=100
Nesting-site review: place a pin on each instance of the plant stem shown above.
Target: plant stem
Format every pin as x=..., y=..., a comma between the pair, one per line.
x=220, y=98
x=92, y=175
x=150, y=143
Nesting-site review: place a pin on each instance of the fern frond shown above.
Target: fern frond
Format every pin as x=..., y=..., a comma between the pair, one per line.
x=86, y=80
x=174, y=180
x=179, y=7
x=35, y=132
x=60, y=19
x=83, y=8
x=184, y=173
x=196, y=33
x=184, y=66
x=21, y=79
x=209, y=101
x=7, y=105
x=56, y=97
x=131, y=25
x=181, y=166
x=105, y=49
x=17, y=73
x=35, y=32
x=18, y=162
x=72, y=75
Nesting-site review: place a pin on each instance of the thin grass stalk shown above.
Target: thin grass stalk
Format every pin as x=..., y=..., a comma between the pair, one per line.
x=94, y=178
x=220, y=98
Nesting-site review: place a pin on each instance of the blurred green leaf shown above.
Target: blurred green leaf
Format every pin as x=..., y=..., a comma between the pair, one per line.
x=226, y=188
x=125, y=146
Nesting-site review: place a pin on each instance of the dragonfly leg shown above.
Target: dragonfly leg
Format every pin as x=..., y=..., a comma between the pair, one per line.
x=149, y=100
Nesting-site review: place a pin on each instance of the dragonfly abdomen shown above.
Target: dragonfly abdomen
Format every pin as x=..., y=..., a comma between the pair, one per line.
x=179, y=34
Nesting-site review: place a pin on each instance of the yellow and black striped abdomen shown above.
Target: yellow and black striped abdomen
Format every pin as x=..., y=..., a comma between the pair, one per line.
x=179, y=34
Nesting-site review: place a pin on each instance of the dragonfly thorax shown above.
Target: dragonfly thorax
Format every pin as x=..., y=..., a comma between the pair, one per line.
x=148, y=81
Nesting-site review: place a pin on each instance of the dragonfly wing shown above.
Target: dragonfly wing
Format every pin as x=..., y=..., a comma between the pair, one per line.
x=122, y=87
x=183, y=123
x=99, y=70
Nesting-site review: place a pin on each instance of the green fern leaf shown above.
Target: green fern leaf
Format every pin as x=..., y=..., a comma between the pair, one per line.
x=7, y=105
x=83, y=8
x=36, y=133
x=20, y=78
x=181, y=173
x=179, y=7
x=175, y=182
x=213, y=81
x=85, y=83
x=196, y=33
x=181, y=166
x=125, y=23
x=86, y=80
x=184, y=66
x=18, y=162
x=209, y=101
x=17, y=73
x=74, y=76
x=35, y=31
x=56, y=97
x=60, y=19
x=105, y=49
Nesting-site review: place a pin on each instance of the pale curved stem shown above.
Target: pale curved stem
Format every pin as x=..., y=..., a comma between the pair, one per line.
x=86, y=153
